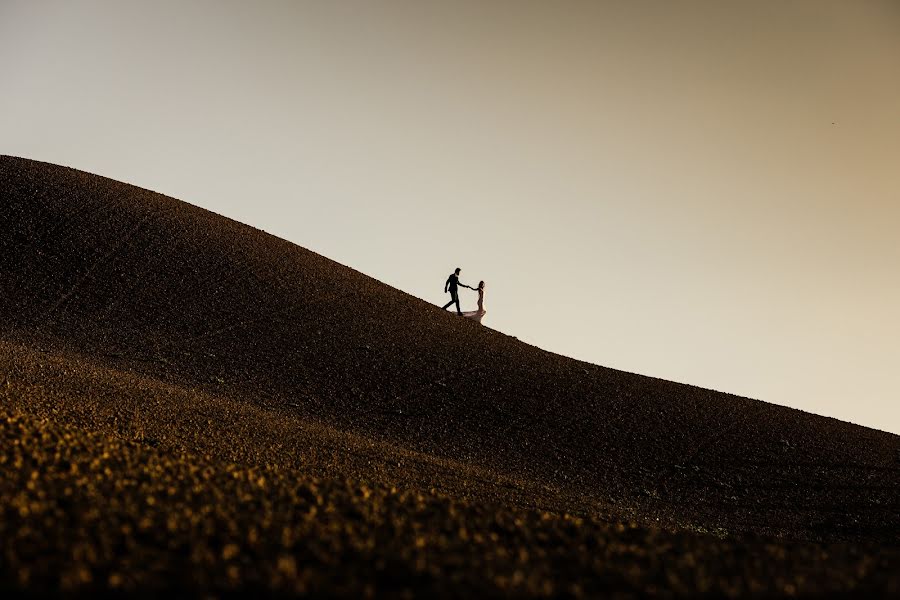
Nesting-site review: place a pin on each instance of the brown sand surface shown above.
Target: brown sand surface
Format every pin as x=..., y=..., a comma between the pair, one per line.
x=157, y=361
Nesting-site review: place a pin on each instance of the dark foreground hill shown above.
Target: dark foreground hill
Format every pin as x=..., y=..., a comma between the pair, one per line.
x=191, y=403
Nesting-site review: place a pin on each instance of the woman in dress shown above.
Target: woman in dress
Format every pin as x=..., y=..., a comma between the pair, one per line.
x=477, y=314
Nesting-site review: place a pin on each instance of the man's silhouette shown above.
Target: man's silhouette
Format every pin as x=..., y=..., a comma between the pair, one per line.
x=451, y=286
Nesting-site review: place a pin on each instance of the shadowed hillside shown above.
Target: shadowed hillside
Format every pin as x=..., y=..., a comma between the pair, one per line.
x=135, y=315
x=145, y=283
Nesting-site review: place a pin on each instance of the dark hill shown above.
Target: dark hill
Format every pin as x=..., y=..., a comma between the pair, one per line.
x=142, y=282
x=128, y=312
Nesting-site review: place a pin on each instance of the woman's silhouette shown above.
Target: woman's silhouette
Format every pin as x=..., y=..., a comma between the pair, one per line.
x=477, y=314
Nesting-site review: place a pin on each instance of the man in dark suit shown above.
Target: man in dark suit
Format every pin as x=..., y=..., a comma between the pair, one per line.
x=451, y=286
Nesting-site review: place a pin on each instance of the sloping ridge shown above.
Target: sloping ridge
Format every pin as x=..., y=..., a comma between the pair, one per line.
x=142, y=283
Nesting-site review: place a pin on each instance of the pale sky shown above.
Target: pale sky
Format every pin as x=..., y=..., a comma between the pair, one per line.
x=706, y=192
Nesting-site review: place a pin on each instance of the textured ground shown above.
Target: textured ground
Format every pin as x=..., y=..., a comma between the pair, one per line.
x=159, y=361
x=88, y=513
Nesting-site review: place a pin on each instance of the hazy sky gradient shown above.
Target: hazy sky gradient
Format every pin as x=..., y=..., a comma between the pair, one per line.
x=707, y=192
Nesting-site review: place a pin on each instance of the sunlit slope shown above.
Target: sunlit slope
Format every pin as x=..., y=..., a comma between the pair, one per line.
x=145, y=284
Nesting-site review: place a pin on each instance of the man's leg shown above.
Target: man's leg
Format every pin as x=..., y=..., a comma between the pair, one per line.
x=446, y=306
x=456, y=299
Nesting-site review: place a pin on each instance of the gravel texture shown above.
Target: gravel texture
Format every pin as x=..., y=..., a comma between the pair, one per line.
x=190, y=404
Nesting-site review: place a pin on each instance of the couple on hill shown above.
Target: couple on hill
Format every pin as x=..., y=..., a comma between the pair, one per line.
x=453, y=284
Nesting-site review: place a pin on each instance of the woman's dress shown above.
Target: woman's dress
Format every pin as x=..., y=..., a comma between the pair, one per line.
x=476, y=315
